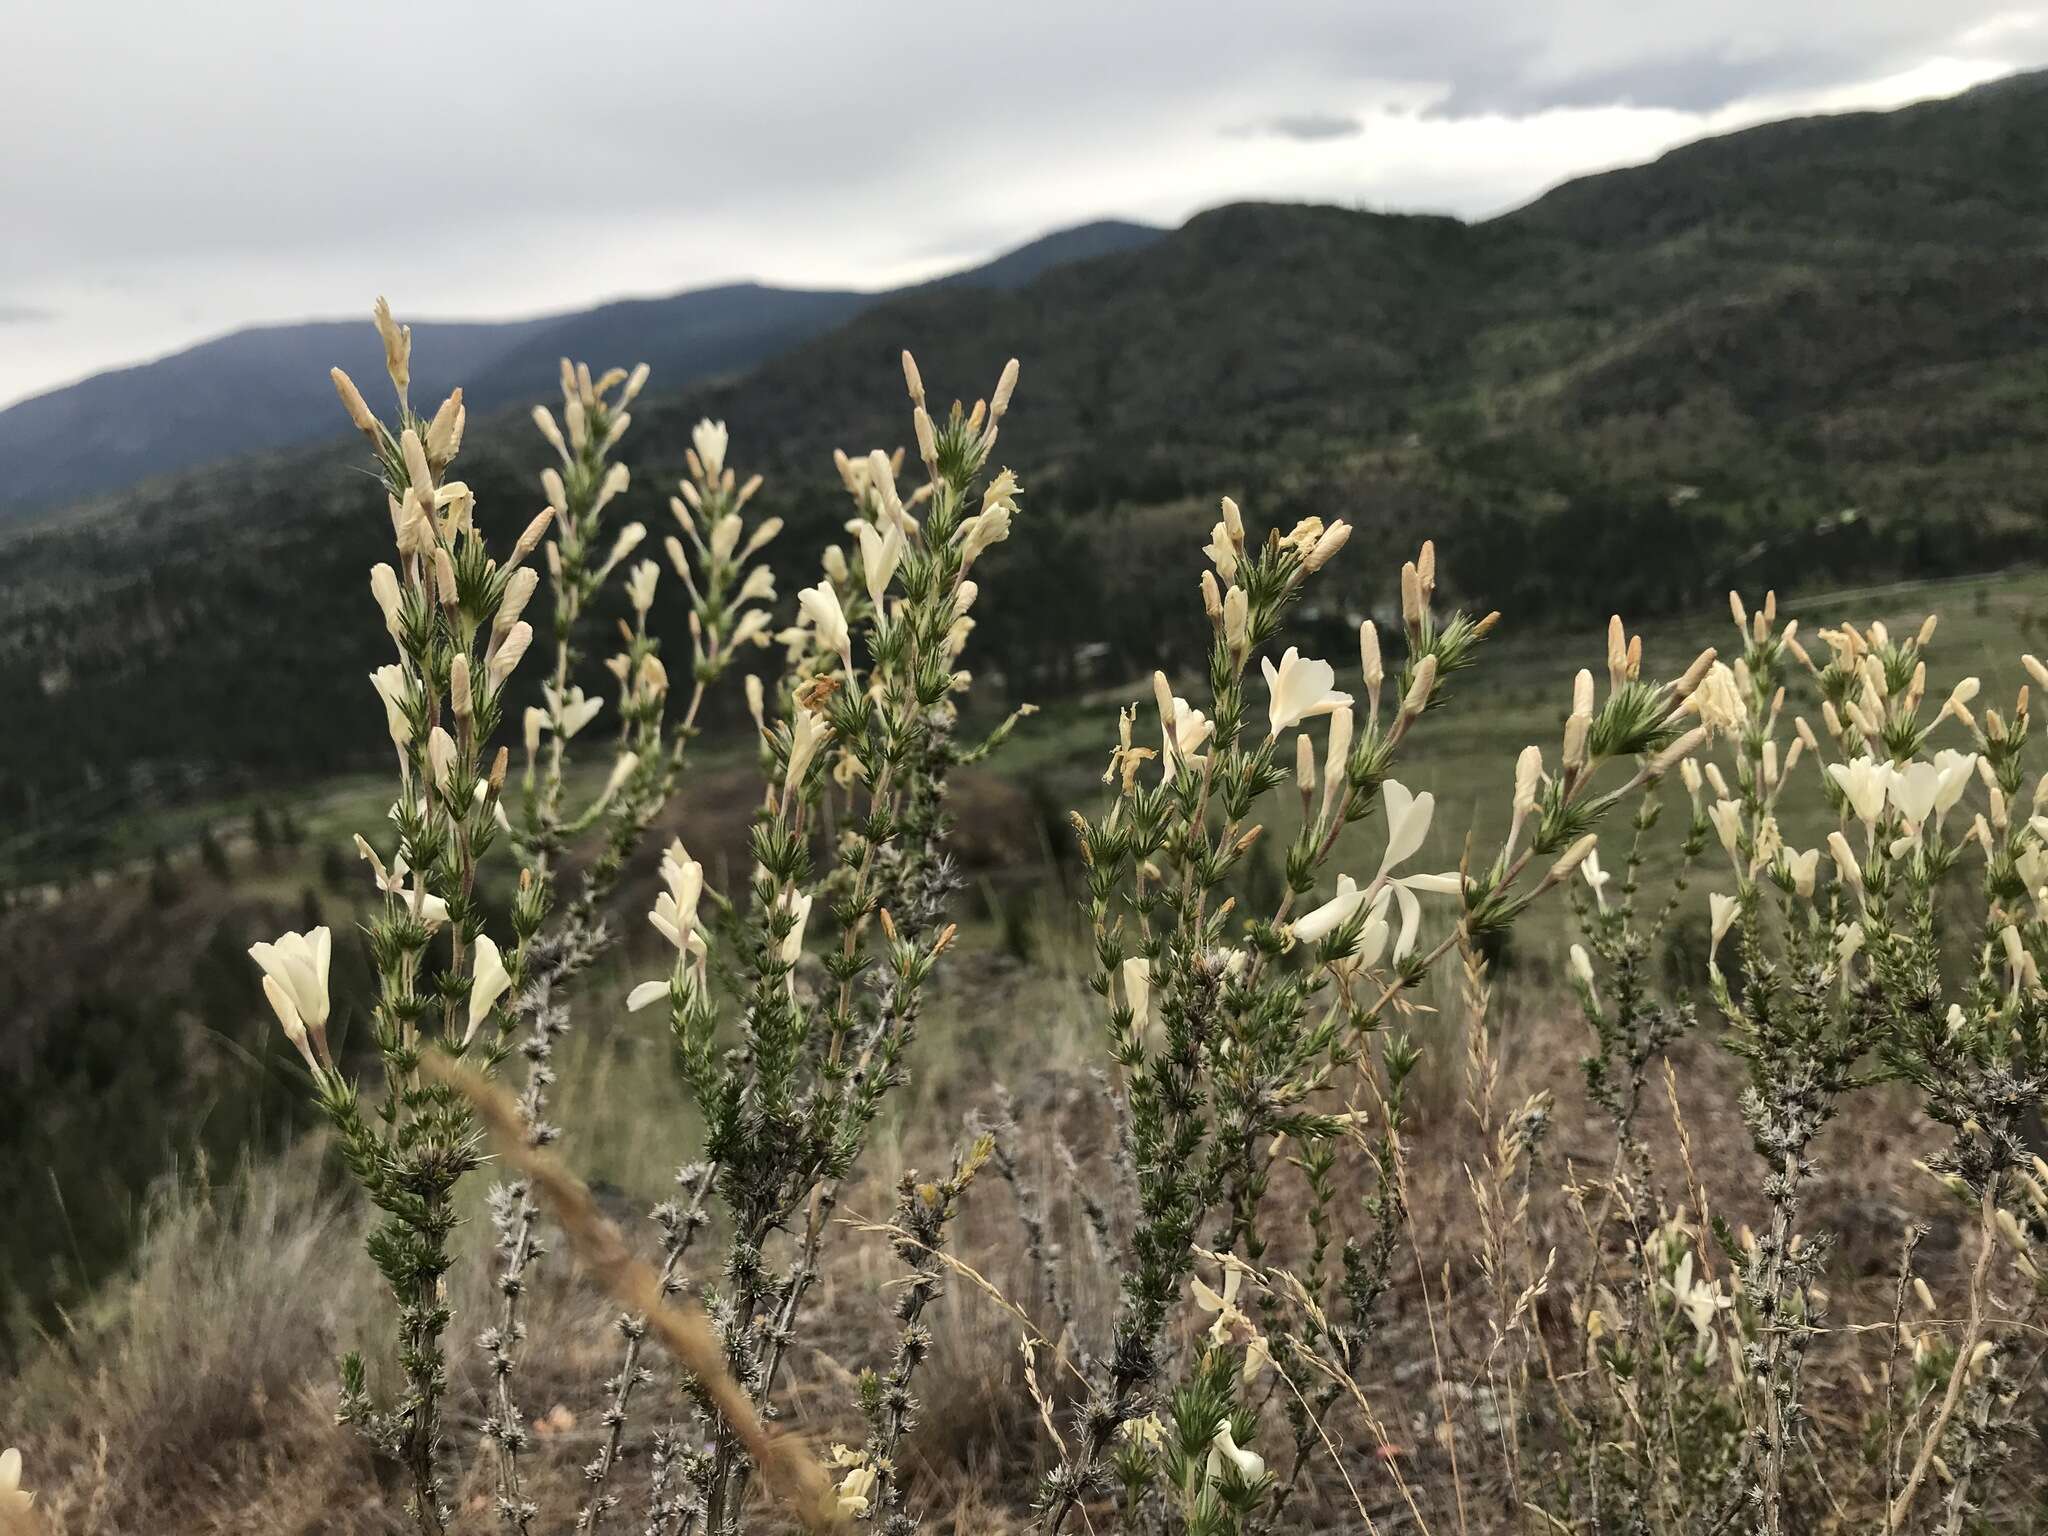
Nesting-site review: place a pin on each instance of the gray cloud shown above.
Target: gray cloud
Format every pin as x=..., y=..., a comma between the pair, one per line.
x=246, y=161
x=1304, y=127
x=23, y=314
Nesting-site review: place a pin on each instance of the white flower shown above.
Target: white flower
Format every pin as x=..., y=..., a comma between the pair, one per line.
x=433, y=911
x=1865, y=781
x=1912, y=791
x=880, y=553
x=1582, y=966
x=1223, y=1303
x=508, y=654
x=1250, y=1466
x=627, y=764
x=1184, y=736
x=1219, y=550
x=441, y=754
x=14, y=1500
x=1846, y=866
x=1299, y=688
x=571, y=711
x=675, y=908
x=820, y=605
x=640, y=583
x=1722, y=911
x=298, y=963
x=647, y=992
x=389, y=681
x=1312, y=927
x=384, y=588
x=1701, y=1301
x=1848, y=941
x=987, y=527
x=1408, y=818
x=854, y=1490
x=807, y=732
x=488, y=982
x=1596, y=878
x=1954, y=770
x=793, y=943
x=1726, y=815
x=709, y=439
x=1803, y=867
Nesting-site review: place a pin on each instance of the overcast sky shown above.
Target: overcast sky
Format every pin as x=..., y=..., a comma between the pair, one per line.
x=176, y=168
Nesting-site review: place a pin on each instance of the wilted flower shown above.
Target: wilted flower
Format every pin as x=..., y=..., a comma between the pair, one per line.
x=1717, y=701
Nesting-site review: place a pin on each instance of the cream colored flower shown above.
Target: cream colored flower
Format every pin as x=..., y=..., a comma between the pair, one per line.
x=1701, y=1301
x=675, y=909
x=1250, y=1466
x=1596, y=878
x=1184, y=734
x=1221, y=553
x=1726, y=815
x=432, y=911
x=1723, y=911
x=880, y=553
x=1137, y=974
x=808, y=731
x=1803, y=867
x=709, y=438
x=1718, y=702
x=1912, y=790
x=389, y=681
x=571, y=711
x=14, y=1499
x=488, y=982
x=855, y=1490
x=1953, y=770
x=1299, y=688
x=640, y=584
x=1408, y=818
x=1866, y=782
x=820, y=606
x=298, y=963
x=1314, y=926
x=798, y=903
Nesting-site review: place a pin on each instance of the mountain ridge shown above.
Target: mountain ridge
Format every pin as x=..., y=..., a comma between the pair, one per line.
x=264, y=387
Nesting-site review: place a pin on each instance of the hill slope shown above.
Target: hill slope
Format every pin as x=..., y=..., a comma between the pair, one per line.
x=1811, y=352
x=267, y=387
